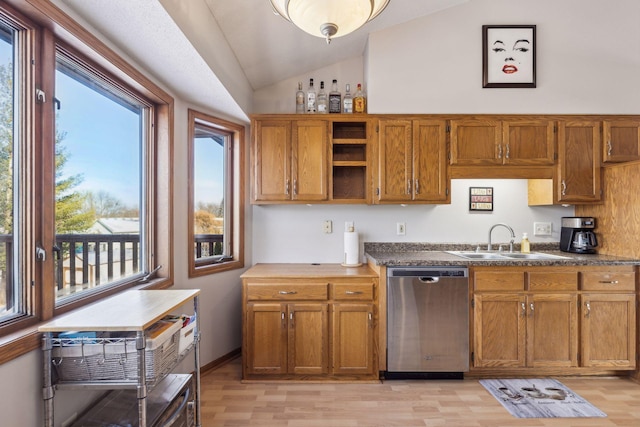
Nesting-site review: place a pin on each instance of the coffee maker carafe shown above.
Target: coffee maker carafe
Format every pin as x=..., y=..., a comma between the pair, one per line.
x=577, y=236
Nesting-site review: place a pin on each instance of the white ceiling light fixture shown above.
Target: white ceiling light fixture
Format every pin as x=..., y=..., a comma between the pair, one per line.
x=329, y=18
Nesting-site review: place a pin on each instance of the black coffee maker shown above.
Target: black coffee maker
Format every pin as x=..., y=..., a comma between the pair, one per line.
x=577, y=236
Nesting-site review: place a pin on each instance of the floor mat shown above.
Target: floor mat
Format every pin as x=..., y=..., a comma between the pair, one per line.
x=540, y=398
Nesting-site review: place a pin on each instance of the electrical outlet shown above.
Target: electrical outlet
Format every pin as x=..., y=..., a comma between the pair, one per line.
x=542, y=228
x=348, y=226
x=401, y=229
x=327, y=226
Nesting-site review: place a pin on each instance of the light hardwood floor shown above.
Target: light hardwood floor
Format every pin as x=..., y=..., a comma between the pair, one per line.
x=453, y=403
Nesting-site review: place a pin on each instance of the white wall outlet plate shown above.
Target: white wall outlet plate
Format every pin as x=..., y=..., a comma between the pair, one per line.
x=401, y=228
x=327, y=226
x=542, y=228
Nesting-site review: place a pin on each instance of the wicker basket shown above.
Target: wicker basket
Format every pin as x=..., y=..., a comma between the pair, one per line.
x=114, y=358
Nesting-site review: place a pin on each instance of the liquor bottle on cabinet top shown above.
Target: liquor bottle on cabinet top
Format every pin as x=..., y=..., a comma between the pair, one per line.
x=311, y=98
x=335, y=98
x=300, y=100
x=359, y=101
x=322, y=100
x=347, y=102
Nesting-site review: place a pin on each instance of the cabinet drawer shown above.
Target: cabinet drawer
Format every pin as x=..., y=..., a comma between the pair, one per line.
x=352, y=291
x=607, y=281
x=499, y=280
x=552, y=281
x=287, y=291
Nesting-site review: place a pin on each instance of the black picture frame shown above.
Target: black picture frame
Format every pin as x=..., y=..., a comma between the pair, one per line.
x=509, y=56
x=481, y=198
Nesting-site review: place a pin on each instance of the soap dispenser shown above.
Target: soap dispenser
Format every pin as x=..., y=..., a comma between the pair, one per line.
x=525, y=247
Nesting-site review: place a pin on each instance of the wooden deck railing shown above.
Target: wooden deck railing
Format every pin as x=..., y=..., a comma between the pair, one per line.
x=93, y=259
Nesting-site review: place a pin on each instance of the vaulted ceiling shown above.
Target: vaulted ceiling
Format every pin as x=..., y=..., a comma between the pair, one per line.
x=266, y=47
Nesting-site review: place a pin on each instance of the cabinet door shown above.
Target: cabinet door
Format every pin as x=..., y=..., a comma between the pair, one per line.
x=309, y=160
x=476, y=142
x=394, y=161
x=353, y=339
x=308, y=339
x=528, y=142
x=272, y=160
x=608, y=330
x=430, y=181
x=266, y=340
x=578, y=161
x=552, y=330
x=499, y=330
x=621, y=140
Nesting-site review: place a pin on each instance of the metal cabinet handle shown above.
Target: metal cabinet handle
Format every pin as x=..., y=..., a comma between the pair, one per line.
x=287, y=292
x=417, y=186
x=564, y=188
x=609, y=282
x=408, y=186
x=354, y=292
x=531, y=307
x=507, y=153
x=286, y=187
x=500, y=151
x=524, y=309
x=588, y=305
x=295, y=187
x=609, y=148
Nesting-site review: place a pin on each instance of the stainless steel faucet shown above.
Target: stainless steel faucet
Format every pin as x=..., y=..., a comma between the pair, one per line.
x=513, y=235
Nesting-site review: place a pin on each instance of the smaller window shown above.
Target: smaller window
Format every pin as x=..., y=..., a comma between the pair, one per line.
x=216, y=200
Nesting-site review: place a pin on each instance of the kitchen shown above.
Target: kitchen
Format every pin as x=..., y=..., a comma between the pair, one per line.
x=587, y=64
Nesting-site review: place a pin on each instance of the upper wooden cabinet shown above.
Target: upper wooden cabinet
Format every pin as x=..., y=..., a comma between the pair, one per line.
x=578, y=173
x=489, y=142
x=412, y=161
x=621, y=140
x=290, y=161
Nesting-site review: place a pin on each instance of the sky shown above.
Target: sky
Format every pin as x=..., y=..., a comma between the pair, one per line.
x=103, y=145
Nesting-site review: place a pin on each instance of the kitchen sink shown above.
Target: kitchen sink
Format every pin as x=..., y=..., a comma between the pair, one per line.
x=505, y=256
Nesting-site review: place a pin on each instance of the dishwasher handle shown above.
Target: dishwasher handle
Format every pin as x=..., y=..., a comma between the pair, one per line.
x=429, y=279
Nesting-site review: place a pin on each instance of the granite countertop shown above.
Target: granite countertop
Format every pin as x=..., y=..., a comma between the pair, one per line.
x=406, y=254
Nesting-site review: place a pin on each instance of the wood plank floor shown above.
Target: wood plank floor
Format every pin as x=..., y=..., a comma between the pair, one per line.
x=452, y=403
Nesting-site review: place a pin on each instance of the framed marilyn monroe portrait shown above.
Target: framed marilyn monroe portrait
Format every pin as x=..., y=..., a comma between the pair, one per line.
x=509, y=56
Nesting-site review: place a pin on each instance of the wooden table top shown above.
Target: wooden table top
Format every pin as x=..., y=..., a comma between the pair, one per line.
x=133, y=310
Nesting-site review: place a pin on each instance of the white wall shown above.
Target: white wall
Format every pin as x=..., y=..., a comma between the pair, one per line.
x=588, y=59
x=280, y=97
x=294, y=233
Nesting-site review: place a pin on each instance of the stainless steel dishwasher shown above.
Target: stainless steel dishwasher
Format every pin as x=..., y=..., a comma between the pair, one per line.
x=427, y=322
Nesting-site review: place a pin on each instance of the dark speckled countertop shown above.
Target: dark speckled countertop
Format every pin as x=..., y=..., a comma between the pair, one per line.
x=402, y=254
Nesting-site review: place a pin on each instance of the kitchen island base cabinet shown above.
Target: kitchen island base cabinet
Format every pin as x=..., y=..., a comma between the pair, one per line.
x=309, y=323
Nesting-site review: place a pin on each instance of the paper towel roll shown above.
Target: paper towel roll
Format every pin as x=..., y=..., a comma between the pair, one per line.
x=351, y=249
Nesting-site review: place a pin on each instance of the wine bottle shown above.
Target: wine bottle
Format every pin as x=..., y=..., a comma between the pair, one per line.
x=322, y=99
x=347, y=102
x=311, y=98
x=300, y=99
x=359, y=101
x=335, y=98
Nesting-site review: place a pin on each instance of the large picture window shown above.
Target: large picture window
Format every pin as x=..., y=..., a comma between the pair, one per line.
x=11, y=293
x=100, y=139
x=215, y=194
x=85, y=174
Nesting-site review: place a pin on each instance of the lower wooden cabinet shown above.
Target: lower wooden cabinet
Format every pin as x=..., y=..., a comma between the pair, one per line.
x=287, y=338
x=309, y=328
x=557, y=318
x=537, y=330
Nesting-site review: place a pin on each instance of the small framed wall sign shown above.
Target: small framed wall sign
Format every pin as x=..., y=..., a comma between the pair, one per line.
x=480, y=198
x=509, y=56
